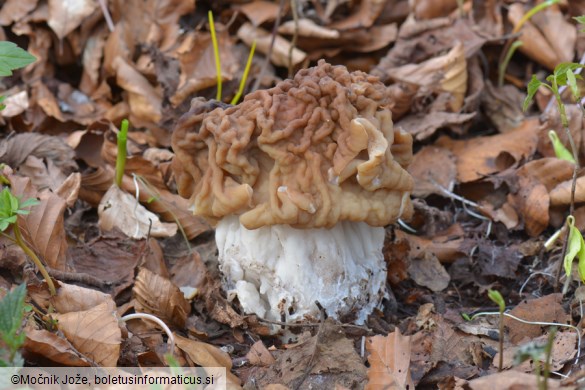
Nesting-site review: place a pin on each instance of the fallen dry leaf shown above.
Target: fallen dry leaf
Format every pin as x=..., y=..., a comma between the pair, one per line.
x=72, y=298
x=57, y=349
x=157, y=295
x=118, y=209
x=545, y=309
x=389, y=360
x=259, y=355
x=94, y=332
x=206, y=355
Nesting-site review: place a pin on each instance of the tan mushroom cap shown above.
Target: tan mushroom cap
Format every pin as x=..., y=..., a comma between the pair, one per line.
x=310, y=152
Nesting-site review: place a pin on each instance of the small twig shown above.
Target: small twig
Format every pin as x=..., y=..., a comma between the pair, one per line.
x=107, y=16
x=454, y=195
x=256, y=84
x=312, y=325
x=293, y=6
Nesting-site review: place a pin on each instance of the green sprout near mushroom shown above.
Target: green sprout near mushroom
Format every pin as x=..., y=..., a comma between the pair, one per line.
x=122, y=151
x=217, y=58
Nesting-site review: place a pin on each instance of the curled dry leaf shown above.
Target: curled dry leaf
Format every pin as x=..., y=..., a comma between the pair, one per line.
x=45, y=147
x=43, y=228
x=510, y=380
x=389, y=359
x=430, y=167
x=430, y=9
x=159, y=296
x=94, y=332
x=259, y=355
x=50, y=346
x=16, y=104
x=69, y=189
x=279, y=57
x=260, y=11
x=197, y=63
x=561, y=194
x=66, y=15
x=72, y=298
x=367, y=13
x=447, y=73
x=308, y=28
x=552, y=42
x=207, y=355
x=119, y=209
x=481, y=156
x=545, y=309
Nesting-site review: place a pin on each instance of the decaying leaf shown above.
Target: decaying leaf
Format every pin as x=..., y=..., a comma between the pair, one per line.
x=57, y=349
x=94, y=332
x=119, y=209
x=389, y=360
x=157, y=295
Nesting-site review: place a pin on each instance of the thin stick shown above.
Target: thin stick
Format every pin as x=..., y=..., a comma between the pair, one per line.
x=256, y=84
x=293, y=6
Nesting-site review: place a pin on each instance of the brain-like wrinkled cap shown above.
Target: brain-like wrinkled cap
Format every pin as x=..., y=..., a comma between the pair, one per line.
x=310, y=152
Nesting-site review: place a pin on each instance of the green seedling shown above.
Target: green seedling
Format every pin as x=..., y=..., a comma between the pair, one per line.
x=122, y=151
x=536, y=353
x=496, y=297
x=562, y=75
x=560, y=150
x=215, y=54
x=575, y=248
x=12, y=311
x=504, y=64
x=10, y=208
x=512, y=46
x=245, y=75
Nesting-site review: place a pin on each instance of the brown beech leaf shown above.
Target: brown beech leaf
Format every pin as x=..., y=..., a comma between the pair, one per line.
x=50, y=346
x=118, y=209
x=43, y=229
x=279, y=57
x=72, y=298
x=430, y=9
x=159, y=296
x=446, y=73
x=430, y=167
x=94, y=332
x=545, y=309
x=260, y=11
x=207, y=355
x=481, y=156
x=259, y=355
x=389, y=360
x=66, y=15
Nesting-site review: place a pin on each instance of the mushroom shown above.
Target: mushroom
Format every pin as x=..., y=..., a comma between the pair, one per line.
x=300, y=180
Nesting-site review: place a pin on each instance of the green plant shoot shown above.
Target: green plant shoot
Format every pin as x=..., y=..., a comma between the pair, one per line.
x=504, y=65
x=122, y=150
x=560, y=150
x=12, y=310
x=10, y=208
x=245, y=75
x=495, y=296
x=533, y=11
x=215, y=54
x=575, y=248
x=562, y=75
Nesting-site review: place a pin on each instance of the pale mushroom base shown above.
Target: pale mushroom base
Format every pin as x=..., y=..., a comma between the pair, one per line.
x=278, y=272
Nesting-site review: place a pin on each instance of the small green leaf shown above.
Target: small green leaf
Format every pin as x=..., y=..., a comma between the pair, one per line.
x=560, y=150
x=529, y=351
x=573, y=246
x=572, y=82
x=13, y=57
x=29, y=203
x=2, y=106
x=533, y=86
x=580, y=19
x=12, y=312
x=465, y=316
x=495, y=296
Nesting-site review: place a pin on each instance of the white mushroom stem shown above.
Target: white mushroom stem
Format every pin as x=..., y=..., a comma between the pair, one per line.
x=279, y=271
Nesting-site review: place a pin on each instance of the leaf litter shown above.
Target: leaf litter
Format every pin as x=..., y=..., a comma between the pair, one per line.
x=489, y=190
